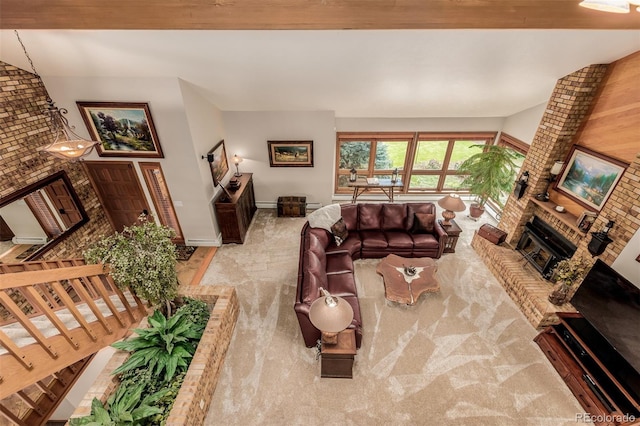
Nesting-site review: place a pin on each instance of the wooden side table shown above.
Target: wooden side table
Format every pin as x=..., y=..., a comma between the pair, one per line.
x=453, y=232
x=337, y=360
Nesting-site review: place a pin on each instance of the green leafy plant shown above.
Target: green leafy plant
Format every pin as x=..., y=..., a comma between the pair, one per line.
x=124, y=407
x=141, y=257
x=491, y=172
x=167, y=346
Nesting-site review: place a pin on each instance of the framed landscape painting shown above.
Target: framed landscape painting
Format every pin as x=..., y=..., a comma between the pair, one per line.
x=218, y=163
x=590, y=177
x=124, y=129
x=290, y=153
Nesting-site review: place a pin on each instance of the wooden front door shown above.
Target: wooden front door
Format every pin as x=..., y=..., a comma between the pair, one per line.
x=63, y=201
x=119, y=191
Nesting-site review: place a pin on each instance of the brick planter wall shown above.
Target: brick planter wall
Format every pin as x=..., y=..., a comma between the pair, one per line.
x=192, y=403
x=523, y=284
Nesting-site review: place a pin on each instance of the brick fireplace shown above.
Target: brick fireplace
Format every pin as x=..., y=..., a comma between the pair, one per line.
x=584, y=109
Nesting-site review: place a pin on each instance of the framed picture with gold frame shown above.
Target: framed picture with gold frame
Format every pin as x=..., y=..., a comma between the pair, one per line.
x=290, y=153
x=124, y=129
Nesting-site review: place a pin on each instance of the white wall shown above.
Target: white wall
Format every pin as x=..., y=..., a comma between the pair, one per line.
x=207, y=129
x=247, y=136
x=21, y=221
x=524, y=124
x=626, y=263
x=181, y=163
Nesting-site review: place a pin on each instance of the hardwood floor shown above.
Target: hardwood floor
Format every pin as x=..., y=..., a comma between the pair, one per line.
x=190, y=272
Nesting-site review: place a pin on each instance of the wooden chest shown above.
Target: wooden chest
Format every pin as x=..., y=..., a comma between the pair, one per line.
x=292, y=206
x=493, y=234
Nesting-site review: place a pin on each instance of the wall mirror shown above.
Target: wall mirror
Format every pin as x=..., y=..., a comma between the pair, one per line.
x=36, y=218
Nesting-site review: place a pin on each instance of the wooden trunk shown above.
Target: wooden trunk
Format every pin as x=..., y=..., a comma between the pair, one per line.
x=493, y=234
x=292, y=206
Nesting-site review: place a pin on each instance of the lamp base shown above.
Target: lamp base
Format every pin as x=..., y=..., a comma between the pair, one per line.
x=447, y=215
x=329, y=338
x=236, y=174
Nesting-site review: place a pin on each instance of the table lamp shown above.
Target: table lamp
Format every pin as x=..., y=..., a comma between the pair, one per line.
x=330, y=314
x=237, y=160
x=451, y=203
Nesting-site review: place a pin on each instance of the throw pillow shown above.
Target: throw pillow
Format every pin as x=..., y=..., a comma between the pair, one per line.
x=423, y=223
x=324, y=217
x=340, y=232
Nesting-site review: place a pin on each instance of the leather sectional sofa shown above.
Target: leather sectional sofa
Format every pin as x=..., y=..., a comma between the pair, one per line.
x=374, y=231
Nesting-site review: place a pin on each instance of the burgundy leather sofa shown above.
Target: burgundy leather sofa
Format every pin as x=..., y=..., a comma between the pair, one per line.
x=375, y=230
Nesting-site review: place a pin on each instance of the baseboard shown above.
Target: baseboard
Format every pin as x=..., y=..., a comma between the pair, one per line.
x=274, y=205
x=29, y=240
x=201, y=242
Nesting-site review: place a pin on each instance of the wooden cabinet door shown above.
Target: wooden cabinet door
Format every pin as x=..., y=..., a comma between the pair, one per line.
x=119, y=191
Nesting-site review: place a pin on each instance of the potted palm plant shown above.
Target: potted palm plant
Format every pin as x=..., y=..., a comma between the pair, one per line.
x=490, y=174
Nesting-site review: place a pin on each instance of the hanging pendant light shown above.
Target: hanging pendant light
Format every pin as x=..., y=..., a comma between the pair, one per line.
x=67, y=144
x=615, y=6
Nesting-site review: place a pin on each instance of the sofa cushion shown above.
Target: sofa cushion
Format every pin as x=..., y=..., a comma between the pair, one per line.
x=339, y=262
x=399, y=240
x=423, y=223
x=351, y=245
x=350, y=215
x=369, y=216
x=393, y=216
x=319, y=237
x=339, y=230
x=413, y=208
x=424, y=241
x=373, y=239
x=343, y=285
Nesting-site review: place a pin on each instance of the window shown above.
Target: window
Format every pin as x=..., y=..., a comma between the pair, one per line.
x=426, y=162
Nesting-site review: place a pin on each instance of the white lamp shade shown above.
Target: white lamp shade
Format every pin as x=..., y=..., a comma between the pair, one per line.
x=556, y=168
x=330, y=314
x=236, y=159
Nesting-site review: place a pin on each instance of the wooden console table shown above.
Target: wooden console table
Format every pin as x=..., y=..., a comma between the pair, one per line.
x=360, y=186
x=235, y=214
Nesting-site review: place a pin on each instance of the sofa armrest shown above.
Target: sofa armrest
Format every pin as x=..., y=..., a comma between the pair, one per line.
x=441, y=236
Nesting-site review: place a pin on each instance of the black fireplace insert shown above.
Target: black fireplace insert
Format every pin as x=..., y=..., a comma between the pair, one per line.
x=543, y=247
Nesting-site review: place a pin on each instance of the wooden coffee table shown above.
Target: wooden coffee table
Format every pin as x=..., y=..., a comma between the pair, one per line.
x=401, y=288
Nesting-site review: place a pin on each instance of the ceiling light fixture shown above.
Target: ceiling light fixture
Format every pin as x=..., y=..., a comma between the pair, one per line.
x=614, y=6
x=66, y=144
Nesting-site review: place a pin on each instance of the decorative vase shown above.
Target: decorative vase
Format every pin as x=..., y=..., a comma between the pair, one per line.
x=560, y=294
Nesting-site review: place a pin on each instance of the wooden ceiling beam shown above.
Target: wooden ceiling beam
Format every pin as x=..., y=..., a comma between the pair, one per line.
x=307, y=14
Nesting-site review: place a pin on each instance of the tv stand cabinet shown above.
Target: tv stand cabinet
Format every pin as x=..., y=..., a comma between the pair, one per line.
x=598, y=376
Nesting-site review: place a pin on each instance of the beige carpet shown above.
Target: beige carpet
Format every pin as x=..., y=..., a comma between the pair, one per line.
x=463, y=356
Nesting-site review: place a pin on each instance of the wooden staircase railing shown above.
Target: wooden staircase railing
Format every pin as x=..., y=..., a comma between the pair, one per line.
x=36, y=293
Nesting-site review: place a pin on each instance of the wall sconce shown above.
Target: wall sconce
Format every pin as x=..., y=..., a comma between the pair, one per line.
x=451, y=203
x=521, y=185
x=553, y=175
x=600, y=240
x=353, y=175
x=330, y=314
x=237, y=160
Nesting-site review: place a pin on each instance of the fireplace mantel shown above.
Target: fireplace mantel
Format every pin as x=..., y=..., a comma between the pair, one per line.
x=564, y=217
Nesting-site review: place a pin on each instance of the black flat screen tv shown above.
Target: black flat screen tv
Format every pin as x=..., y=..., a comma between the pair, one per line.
x=612, y=305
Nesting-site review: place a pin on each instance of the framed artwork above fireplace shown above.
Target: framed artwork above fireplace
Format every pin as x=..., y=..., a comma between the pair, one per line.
x=589, y=177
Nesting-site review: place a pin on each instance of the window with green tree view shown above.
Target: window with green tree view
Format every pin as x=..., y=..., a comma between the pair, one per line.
x=426, y=162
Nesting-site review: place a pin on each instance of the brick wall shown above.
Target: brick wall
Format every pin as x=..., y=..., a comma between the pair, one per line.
x=23, y=130
x=568, y=106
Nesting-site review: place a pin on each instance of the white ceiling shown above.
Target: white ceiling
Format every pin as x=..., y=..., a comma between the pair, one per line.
x=377, y=73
